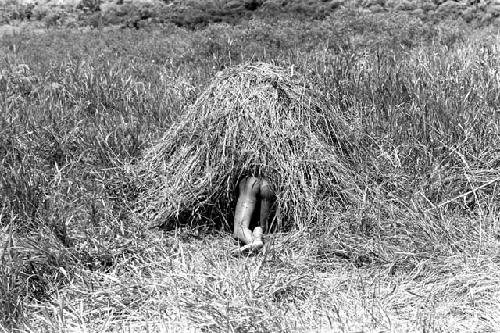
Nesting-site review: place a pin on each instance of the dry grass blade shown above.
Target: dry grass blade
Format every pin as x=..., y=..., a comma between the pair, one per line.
x=253, y=119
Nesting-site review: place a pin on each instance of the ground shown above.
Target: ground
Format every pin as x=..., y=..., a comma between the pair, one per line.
x=419, y=252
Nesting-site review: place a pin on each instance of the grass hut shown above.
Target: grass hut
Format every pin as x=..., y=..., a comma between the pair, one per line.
x=253, y=119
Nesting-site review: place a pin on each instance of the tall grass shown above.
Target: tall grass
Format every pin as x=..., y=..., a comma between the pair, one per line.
x=79, y=109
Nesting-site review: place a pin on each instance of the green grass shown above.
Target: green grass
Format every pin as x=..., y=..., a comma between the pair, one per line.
x=420, y=254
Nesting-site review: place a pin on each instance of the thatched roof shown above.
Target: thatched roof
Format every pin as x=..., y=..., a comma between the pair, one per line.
x=253, y=119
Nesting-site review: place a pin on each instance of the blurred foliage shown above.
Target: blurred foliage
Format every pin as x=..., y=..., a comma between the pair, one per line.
x=196, y=14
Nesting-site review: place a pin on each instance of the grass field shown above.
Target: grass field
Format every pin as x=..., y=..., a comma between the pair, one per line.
x=419, y=253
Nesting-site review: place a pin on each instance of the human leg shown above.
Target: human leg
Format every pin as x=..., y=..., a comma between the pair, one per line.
x=247, y=198
x=266, y=199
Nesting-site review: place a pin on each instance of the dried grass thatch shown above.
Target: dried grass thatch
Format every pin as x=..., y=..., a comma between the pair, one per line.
x=253, y=119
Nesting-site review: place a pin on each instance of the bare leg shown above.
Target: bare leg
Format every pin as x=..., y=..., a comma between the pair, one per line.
x=249, y=193
x=247, y=199
x=266, y=201
x=266, y=196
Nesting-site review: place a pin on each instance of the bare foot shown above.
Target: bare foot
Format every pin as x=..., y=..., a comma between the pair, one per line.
x=249, y=249
x=255, y=243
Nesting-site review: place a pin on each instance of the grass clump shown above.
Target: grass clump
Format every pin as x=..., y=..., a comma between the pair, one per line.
x=253, y=119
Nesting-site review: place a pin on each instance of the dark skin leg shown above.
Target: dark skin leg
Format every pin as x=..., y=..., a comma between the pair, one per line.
x=266, y=202
x=252, y=212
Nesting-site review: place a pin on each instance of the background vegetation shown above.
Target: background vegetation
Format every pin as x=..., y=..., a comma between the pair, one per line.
x=195, y=14
x=420, y=253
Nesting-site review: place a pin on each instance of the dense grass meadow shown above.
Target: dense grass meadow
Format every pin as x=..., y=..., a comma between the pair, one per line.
x=420, y=252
